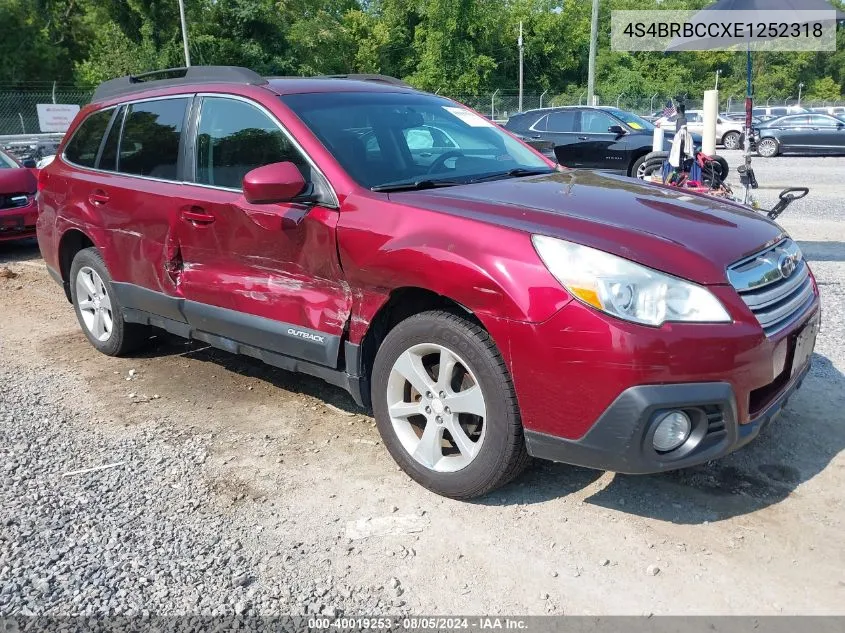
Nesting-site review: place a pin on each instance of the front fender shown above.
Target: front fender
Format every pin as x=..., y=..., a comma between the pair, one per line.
x=491, y=270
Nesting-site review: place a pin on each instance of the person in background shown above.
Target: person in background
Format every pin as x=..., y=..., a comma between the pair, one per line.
x=682, y=116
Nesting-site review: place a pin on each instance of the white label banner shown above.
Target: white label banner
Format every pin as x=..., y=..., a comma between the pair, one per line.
x=55, y=117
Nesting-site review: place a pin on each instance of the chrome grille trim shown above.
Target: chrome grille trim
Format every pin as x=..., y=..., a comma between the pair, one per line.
x=777, y=300
x=762, y=269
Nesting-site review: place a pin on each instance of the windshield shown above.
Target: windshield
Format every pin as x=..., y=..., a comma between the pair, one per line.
x=6, y=162
x=632, y=120
x=385, y=138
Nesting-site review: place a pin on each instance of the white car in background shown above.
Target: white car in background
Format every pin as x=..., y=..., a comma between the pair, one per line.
x=832, y=110
x=728, y=132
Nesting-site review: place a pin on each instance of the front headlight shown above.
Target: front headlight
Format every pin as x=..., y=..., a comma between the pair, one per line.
x=625, y=289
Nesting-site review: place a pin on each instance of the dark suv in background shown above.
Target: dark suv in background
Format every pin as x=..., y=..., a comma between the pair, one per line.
x=592, y=137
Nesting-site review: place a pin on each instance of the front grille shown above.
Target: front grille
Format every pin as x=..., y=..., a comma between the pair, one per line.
x=775, y=284
x=13, y=200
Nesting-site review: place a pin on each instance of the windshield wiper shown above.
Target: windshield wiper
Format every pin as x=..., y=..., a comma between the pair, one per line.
x=417, y=185
x=514, y=173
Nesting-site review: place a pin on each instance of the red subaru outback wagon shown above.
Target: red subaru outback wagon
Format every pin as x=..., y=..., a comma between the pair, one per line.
x=488, y=304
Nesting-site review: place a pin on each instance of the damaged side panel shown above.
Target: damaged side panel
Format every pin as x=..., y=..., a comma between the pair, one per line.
x=250, y=261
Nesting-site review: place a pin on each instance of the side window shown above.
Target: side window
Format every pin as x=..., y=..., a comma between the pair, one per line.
x=234, y=137
x=108, y=159
x=563, y=121
x=595, y=122
x=541, y=125
x=796, y=121
x=818, y=120
x=150, y=142
x=694, y=117
x=83, y=147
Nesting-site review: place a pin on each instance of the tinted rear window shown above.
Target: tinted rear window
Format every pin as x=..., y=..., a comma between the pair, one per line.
x=83, y=147
x=150, y=142
x=561, y=121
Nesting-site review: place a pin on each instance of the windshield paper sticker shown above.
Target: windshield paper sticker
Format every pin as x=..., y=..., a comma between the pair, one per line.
x=470, y=118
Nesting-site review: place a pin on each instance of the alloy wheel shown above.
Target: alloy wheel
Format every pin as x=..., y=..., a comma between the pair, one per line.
x=94, y=303
x=732, y=141
x=436, y=407
x=767, y=148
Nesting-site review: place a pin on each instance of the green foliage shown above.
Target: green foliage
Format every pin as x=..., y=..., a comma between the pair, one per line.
x=455, y=47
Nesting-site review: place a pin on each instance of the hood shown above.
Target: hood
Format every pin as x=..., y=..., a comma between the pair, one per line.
x=19, y=180
x=687, y=235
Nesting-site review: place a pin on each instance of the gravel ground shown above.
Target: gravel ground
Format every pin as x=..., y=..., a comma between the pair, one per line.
x=142, y=536
x=231, y=487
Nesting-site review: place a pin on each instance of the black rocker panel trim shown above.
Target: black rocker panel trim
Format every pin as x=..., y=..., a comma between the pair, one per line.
x=237, y=327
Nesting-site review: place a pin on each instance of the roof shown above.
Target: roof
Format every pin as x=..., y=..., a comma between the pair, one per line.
x=570, y=107
x=299, y=85
x=235, y=75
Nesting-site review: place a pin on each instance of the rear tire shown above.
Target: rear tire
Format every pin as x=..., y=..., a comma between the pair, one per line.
x=457, y=433
x=732, y=140
x=97, y=308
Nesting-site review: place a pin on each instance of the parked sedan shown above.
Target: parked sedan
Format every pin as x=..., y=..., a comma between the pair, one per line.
x=591, y=137
x=728, y=132
x=18, y=210
x=802, y=134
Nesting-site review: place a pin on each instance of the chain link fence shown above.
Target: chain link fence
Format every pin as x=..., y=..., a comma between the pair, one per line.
x=500, y=105
x=18, y=114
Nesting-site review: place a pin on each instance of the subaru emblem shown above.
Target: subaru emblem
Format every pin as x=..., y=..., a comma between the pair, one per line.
x=786, y=265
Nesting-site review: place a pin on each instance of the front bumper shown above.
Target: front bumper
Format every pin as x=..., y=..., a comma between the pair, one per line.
x=18, y=223
x=621, y=441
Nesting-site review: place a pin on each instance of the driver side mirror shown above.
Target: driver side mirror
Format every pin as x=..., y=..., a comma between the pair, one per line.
x=30, y=163
x=617, y=129
x=276, y=182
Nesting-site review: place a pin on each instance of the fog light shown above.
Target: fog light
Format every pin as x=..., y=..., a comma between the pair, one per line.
x=673, y=429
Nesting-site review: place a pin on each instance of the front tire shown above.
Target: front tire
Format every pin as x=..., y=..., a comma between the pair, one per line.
x=768, y=148
x=445, y=406
x=97, y=308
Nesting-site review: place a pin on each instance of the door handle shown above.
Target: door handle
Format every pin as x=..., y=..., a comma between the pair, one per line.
x=98, y=197
x=583, y=138
x=197, y=216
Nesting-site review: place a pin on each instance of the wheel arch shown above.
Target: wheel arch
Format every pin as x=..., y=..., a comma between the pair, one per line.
x=637, y=155
x=401, y=304
x=72, y=241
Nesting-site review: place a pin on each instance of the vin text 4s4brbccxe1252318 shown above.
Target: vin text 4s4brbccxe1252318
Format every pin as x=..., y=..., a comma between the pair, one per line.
x=486, y=303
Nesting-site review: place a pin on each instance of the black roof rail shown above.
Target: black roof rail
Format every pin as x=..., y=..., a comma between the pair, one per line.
x=176, y=77
x=393, y=81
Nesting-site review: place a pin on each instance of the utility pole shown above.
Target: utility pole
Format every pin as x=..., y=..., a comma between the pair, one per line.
x=184, y=32
x=520, y=65
x=594, y=41
x=800, y=88
x=718, y=74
